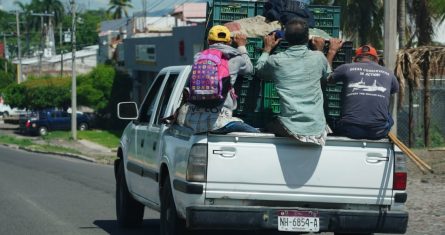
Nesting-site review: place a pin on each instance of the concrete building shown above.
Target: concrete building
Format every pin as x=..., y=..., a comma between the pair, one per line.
x=86, y=60
x=152, y=43
x=145, y=57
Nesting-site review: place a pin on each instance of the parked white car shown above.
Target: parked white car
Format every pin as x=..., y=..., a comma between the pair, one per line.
x=6, y=111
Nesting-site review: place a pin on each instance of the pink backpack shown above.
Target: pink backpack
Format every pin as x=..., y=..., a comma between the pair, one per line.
x=209, y=73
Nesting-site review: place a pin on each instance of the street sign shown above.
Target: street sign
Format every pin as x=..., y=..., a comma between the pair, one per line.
x=67, y=36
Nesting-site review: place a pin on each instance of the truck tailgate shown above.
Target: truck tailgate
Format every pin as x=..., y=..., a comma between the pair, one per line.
x=280, y=169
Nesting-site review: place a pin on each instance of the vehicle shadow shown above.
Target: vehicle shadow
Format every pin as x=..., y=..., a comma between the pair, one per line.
x=149, y=226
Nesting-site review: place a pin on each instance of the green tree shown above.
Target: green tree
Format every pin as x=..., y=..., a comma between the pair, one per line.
x=29, y=22
x=438, y=9
x=119, y=8
x=88, y=33
x=362, y=21
x=50, y=6
x=94, y=89
x=6, y=78
x=39, y=93
x=421, y=14
x=16, y=95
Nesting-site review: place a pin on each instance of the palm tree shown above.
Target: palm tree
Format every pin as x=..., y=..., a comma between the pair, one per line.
x=53, y=6
x=362, y=20
x=28, y=22
x=119, y=8
x=401, y=21
x=438, y=9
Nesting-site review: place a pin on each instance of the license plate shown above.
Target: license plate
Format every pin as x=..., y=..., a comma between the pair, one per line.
x=298, y=221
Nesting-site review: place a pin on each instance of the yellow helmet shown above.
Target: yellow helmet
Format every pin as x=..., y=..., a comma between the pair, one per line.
x=219, y=33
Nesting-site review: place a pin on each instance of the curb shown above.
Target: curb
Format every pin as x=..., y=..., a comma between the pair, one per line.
x=71, y=155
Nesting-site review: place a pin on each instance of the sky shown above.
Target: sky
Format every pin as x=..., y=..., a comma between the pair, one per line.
x=156, y=6
x=152, y=5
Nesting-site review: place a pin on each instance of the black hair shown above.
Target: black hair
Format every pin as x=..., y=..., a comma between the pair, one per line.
x=297, y=32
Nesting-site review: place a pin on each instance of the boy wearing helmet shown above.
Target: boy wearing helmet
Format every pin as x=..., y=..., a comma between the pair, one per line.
x=219, y=119
x=367, y=88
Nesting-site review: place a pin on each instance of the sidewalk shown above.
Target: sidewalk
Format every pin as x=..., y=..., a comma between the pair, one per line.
x=85, y=150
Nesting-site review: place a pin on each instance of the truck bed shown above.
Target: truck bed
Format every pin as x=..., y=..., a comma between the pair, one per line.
x=242, y=166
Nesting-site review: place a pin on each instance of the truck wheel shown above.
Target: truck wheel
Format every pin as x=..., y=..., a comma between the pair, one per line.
x=129, y=212
x=171, y=224
x=43, y=131
x=83, y=126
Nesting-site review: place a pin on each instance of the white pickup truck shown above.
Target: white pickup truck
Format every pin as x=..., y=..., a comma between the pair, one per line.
x=251, y=181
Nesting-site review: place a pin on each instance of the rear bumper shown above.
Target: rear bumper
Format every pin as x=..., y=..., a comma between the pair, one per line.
x=265, y=218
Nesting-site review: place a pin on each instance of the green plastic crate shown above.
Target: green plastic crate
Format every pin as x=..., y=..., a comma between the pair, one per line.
x=326, y=16
x=254, y=48
x=227, y=11
x=271, y=100
x=247, y=90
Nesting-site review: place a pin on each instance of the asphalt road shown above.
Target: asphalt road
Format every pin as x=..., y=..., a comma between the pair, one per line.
x=45, y=194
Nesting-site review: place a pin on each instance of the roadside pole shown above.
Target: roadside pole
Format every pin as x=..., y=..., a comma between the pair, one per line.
x=73, y=82
x=4, y=52
x=5, y=48
x=19, y=70
x=61, y=50
x=390, y=38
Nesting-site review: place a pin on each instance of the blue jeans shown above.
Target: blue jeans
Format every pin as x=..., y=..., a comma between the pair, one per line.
x=355, y=131
x=236, y=127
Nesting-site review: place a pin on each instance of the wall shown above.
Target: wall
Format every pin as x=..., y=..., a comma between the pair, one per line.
x=167, y=49
x=84, y=65
x=144, y=66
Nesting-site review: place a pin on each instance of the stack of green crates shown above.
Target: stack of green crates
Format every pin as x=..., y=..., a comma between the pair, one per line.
x=248, y=87
x=327, y=18
x=223, y=11
x=258, y=101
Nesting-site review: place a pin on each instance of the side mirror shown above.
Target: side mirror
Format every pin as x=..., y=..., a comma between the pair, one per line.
x=127, y=111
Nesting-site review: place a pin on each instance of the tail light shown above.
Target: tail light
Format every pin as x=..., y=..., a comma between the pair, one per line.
x=197, y=163
x=28, y=124
x=400, y=175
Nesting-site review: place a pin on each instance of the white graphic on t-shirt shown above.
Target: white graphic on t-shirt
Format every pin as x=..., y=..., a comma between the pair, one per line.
x=361, y=86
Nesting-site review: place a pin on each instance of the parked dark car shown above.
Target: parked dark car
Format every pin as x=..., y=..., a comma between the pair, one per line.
x=40, y=122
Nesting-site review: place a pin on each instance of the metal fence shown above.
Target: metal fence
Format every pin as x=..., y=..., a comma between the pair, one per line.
x=437, y=124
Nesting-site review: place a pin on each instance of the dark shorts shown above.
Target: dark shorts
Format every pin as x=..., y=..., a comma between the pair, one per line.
x=356, y=131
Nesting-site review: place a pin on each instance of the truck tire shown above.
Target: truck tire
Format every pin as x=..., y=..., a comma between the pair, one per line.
x=171, y=223
x=130, y=212
x=43, y=131
x=83, y=126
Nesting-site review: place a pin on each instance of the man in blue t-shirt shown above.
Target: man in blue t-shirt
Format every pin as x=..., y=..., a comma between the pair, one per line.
x=367, y=88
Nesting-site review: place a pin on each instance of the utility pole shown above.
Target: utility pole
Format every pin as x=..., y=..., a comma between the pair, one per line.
x=390, y=39
x=73, y=82
x=61, y=50
x=5, y=48
x=43, y=36
x=19, y=70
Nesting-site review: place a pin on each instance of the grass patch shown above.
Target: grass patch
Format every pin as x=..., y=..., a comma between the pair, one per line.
x=106, y=138
x=65, y=135
x=12, y=140
x=54, y=149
